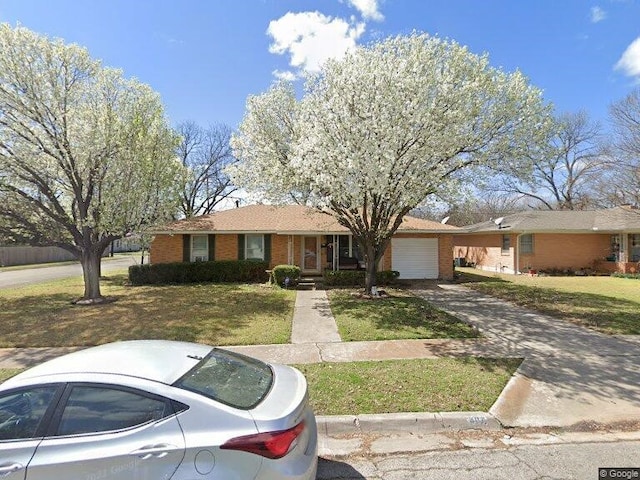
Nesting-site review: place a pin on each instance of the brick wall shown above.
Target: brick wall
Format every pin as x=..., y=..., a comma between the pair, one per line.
x=279, y=250
x=567, y=251
x=226, y=247
x=166, y=249
x=550, y=250
x=485, y=251
x=445, y=249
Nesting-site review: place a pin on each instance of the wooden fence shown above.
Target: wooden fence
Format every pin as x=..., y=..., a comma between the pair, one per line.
x=30, y=255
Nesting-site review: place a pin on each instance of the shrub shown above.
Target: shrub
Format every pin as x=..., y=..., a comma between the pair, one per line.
x=280, y=273
x=348, y=278
x=198, y=272
x=634, y=276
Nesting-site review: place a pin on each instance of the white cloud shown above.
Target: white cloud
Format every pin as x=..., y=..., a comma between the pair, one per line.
x=311, y=38
x=597, y=14
x=368, y=9
x=285, y=75
x=629, y=63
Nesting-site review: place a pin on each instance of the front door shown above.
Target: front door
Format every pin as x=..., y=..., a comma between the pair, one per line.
x=311, y=254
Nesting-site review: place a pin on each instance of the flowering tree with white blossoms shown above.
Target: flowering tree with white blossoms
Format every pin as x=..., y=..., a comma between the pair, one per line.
x=265, y=143
x=86, y=156
x=381, y=130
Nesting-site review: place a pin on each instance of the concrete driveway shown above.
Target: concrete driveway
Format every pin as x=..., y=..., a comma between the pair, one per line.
x=570, y=374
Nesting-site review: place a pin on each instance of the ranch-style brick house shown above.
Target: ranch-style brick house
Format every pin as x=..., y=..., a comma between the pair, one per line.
x=298, y=235
x=605, y=240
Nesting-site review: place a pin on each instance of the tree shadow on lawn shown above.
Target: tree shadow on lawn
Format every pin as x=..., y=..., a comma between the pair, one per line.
x=205, y=313
x=468, y=277
x=602, y=313
x=408, y=313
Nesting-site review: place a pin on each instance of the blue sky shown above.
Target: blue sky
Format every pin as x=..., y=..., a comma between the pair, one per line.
x=206, y=56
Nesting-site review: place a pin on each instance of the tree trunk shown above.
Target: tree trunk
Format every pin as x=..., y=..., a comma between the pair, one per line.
x=90, y=261
x=371, y=267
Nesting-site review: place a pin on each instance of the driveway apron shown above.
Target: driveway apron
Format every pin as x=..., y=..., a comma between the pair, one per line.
x=569, y=374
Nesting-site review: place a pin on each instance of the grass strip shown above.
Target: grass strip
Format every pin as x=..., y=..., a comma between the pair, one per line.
x=401, y=315
x=6, y=373
x=425, y=385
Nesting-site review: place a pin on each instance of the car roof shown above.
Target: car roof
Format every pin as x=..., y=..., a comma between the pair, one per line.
x=162, y=361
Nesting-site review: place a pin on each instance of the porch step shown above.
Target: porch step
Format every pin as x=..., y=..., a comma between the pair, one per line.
x=310, y=283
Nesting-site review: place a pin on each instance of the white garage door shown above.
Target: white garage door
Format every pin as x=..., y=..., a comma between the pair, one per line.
x=415, y=257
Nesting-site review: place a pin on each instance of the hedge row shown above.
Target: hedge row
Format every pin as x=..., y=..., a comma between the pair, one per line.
x=346, y=278
x=197, y=272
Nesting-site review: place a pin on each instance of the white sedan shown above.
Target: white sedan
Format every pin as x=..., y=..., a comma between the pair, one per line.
x=153, y=409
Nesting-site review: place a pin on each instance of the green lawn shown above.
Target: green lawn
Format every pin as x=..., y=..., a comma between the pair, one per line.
x=217, y=314
x=8, y=372
x=431, y=385
x=399, y=316
x=234, y=314
x=607, y=304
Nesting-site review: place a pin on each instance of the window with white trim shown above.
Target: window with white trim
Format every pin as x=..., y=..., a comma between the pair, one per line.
x=526, y=243
x=199, y=248
x=254, y=247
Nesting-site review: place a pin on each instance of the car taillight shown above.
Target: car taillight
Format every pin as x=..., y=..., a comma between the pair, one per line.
x=270, y=445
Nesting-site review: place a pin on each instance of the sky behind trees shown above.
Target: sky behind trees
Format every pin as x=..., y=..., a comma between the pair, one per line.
x=205, y=57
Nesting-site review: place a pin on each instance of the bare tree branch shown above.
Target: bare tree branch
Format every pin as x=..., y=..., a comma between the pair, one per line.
x=205, y=154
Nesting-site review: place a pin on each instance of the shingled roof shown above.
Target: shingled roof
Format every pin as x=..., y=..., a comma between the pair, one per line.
x=284, y=219
x=612, y=220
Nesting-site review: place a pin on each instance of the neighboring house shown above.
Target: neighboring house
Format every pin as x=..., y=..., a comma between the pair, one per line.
x=601, y=240
x=298, y=235
x=131, y=243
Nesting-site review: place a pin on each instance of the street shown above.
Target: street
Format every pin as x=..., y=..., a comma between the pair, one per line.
x=39, y=274
x=534, y=459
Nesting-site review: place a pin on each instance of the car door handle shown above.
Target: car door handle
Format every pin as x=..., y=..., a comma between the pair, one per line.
x=6, y=469
x=157, y=451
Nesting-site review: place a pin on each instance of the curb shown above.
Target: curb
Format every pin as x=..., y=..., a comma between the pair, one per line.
x=406, y=423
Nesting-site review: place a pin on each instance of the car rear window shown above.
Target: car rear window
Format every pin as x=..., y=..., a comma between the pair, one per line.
x=230, y=378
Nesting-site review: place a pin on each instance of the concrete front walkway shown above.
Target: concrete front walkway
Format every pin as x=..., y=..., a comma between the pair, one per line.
x=312, y=318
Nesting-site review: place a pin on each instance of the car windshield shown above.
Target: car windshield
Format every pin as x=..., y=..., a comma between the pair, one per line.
x=229, y=378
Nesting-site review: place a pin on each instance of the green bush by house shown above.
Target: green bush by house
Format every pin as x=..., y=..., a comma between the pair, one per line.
x=634, y=276
x=196, y=272
x=281, y=273
x=348, y=278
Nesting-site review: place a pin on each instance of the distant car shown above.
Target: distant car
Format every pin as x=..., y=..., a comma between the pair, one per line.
x=157, y=410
